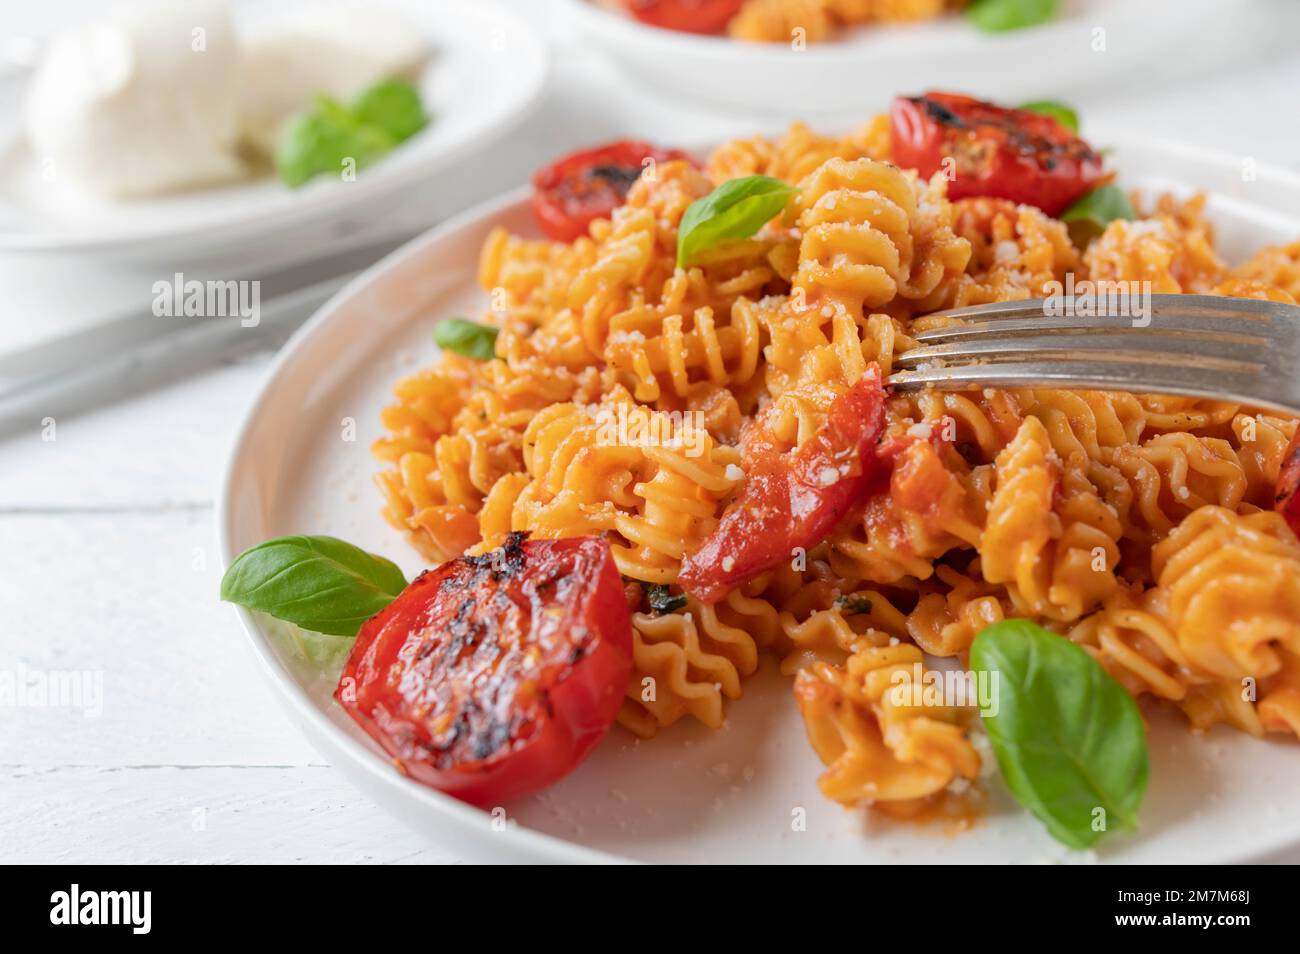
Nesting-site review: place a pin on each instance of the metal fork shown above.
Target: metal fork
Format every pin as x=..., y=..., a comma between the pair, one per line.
x=1232, y=349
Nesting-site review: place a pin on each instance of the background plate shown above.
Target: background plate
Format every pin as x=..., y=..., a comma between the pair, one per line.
x=691, y=795
x=485, y=68
x=869, y=63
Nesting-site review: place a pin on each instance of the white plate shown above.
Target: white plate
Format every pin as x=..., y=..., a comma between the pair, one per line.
x=691, y=794
x=869, y=63
x=486, y=67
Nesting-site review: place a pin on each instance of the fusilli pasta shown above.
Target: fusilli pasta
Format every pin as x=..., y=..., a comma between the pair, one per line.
x=786, y=21
x=1137, y=525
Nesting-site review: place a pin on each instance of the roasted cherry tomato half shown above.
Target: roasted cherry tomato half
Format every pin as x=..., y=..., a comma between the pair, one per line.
x=1288, y=485
x=494, y=676
x=590, y=184
x=689, y=16
x=1004, y=153
x=794, y=500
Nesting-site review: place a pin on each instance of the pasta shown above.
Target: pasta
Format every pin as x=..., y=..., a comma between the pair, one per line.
x=1276, y=267
x=797, y=153
x=878, y=749
x=625, y=390
x=784, y=21
x=1173, y=250
x=1016, y=252
x=1222, y=616
x=1048, y=537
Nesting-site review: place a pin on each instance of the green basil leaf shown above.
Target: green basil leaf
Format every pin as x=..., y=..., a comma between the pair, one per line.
x=1063, y=114
x=467, y=338
x=853, y=604
x=662, y=601
x=1091, y=213
x=997, y=16
x=319, y=141
x=331, y=110
x=734, y=210
x=393, y=106
x=1068, y=738
x=319, y=583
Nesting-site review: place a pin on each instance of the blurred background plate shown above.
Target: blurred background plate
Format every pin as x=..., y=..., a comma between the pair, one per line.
x=870, y=63
x=692, y=794
x=486, y=67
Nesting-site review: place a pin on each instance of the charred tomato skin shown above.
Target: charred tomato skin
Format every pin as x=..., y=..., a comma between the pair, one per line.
x=492, y=677
x=589, y=184
x=687, y=16
x=1287, y=499
x=1013, y=154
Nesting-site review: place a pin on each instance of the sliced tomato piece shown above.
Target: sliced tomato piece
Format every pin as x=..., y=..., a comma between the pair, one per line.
x=793, y=501
x=1288, y=485
x=994, y=151
x=688, y=16
x=494, y=676
x=590, y=184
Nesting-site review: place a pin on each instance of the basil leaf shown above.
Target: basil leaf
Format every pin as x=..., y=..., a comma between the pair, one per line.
x=467, y=338
x=1068, y=738
x=1091, y=213
x=734, y=210
x=393, y=106
x=319, y=141
x=661, y=601
x=1063, y=114
x=319, y=583
x=853, y=604
x=997, y=16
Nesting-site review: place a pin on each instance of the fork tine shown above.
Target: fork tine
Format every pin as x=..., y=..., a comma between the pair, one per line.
x=1206, y=346
x=1203, y=330
x=1106, y=375
x=1227, y=354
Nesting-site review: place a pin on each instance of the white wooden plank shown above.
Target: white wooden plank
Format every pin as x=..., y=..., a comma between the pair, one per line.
x=133, y=598
x=161, y=448
x=215, y=814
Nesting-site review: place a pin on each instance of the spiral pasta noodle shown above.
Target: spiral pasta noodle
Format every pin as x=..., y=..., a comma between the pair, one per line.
x=1017, y=252
x=1219, y=629
x=1230, y=587
x=877, y=746
x=1049, y=537
x=1173, y=250
x=797, y=153
x=1276, y=267
x=685, y=664
x=870, y=233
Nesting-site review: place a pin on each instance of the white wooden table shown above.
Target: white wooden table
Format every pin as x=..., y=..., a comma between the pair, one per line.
x=107, y=552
